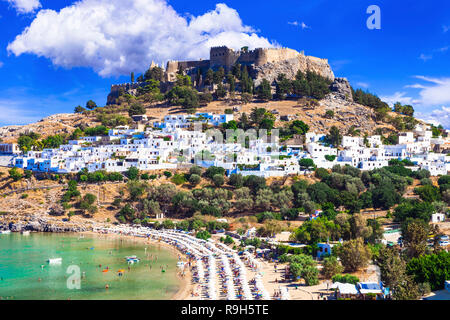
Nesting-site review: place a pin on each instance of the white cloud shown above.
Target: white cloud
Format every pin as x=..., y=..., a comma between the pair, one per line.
x=301, y=24
x=362, y=85
x=425, y=57
x=337, y=65
x=115, y=37
x=1, y=64
x=25, y=6
x=438, y=116
x=445, y=28
x=398, y=97
x=435, y=92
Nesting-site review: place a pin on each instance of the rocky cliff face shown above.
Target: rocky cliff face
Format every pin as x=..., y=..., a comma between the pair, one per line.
x=341, y=89
x=290, y=67
x=42, y=225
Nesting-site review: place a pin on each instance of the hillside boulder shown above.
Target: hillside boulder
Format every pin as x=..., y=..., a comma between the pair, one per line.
x=341, y=88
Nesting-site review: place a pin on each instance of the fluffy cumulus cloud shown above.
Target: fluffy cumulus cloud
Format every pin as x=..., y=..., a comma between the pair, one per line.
x=436, y=117
x=25, y=6
x=398, y=97
x=433, y=97
x=435, y=91
x=115, y=37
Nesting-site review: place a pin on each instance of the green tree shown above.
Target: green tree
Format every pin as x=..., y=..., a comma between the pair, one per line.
x=91, y=105
x=136, y=109
x=354, y=255
x=392, y=267
x=236, y=180
x=15, y=174
x=194, y=179
x=306, y=164
x=432, y=268
x=205, y=235
x=415, y=236
x=212, y=171
x=218, y=180
x=428, y=193
x=305, y=267
x=334, y=137
x=331, y=267
x=283, y=87
x=132, y=173
x=264, y=90
x=220, y=91
x=79, y=109
x=209, y=78
x=299, y=127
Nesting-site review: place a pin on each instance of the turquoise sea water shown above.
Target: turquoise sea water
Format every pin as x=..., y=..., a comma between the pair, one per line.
x=23, y=277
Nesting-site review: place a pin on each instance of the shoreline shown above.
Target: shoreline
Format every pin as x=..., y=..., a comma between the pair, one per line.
x=46, y=226
x=186, y=285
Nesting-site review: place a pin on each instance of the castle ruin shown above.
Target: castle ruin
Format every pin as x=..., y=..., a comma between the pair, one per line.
x=262, y=63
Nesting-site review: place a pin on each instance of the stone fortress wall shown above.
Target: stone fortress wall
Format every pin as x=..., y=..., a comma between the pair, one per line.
x=264, y=63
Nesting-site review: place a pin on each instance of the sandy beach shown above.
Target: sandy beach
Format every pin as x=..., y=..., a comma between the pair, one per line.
x=186, y=285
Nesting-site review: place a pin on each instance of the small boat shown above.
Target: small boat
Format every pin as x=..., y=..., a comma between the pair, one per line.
x=55, y=261
x=25, y=233
x=5, y=232
x=105, y=270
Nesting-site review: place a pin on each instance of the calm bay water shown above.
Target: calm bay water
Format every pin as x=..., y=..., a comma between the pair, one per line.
x=23, y=277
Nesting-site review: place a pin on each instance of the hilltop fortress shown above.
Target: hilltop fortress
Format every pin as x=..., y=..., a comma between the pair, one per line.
x=262, y=63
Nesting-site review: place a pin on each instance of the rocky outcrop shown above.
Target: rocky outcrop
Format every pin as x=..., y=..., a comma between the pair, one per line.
x=341, y=88
x=42, y=225
x=290, y=67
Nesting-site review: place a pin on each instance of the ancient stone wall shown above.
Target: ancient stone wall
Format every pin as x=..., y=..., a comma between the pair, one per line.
x=265, y=63
x=223, y=57
x=274, y=55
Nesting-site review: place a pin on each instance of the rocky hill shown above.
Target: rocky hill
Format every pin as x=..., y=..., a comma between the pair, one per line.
x=64, y=123
x=346, y=114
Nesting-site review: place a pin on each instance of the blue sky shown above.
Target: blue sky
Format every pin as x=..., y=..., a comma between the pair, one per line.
x=72, y=52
